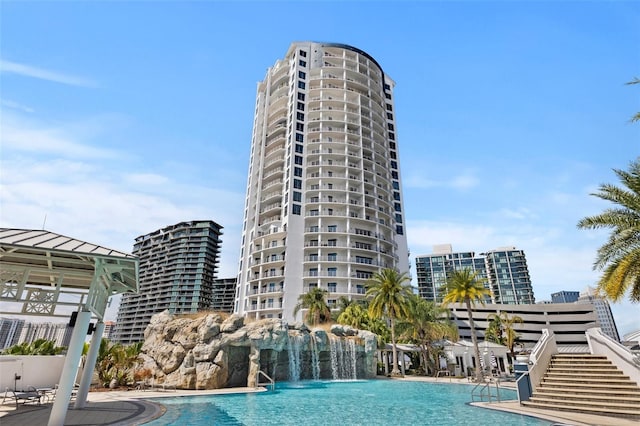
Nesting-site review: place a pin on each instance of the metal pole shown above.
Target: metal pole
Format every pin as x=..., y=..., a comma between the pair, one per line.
x=69, y=371
x=89, y=366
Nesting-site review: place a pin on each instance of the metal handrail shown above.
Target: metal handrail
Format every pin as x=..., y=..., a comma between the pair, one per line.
x=271, y=381
x=486, y=386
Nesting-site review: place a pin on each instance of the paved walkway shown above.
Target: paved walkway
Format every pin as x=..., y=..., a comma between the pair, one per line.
x=115, y=408
x=129, y=408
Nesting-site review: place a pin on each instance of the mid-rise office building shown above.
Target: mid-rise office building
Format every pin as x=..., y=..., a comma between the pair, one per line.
x=178, y=267
x=109, y=330
x=10, y=329
x=565, y=296
x=504, y=270
x=324, y=203
x=224, y=294
x=59, y=333
x=603, y=310
x=508, y=276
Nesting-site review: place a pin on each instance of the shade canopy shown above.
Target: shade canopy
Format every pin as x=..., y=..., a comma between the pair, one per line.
x=46, y=272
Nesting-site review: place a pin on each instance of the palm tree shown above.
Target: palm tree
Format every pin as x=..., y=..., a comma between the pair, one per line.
x=464, y=286
x=501, y=330
x=389, y=299
x=636, y=117
x=426, y=323
x=354, y=315
x=619, y=257
x=314, y=302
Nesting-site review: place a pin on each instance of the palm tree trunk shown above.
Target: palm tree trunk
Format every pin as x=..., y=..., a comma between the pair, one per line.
x=474, y=339
x=394, y=371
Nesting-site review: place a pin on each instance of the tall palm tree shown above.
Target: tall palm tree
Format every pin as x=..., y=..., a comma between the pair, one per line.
x=426, y=323
x=619, y=257
x=314, y=302
x=501, y=330
x=389, y=299
x=464, y=286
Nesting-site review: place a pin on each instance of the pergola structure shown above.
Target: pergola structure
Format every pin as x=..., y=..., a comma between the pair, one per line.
x=47, y=274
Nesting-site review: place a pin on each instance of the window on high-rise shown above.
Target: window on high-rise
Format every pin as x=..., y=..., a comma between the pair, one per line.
x=302, y=63
x=297, y=196
x=399, y=230
x=392, y=136
x=297, y=171
x=303, y=53
x=300, y=116
x=298, y=159
x=301, y=85
x=394, y=164
x=332, y=286
x=300, y=96
x=332, y=272
x=297, y=184
x=299, y=148
x=389, y=107
x=390, y=116
x=300, y=106
x=302, y=74
x=295, y=209
x=299, y=137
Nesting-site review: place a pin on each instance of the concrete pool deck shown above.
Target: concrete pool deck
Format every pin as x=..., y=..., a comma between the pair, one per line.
x=126, y=408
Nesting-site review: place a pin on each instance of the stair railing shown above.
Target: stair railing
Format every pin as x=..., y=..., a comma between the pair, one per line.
x=541, y=356
x=620, y=356
x=269, y=381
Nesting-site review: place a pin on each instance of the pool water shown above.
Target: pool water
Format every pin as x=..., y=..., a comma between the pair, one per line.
x=364, y=402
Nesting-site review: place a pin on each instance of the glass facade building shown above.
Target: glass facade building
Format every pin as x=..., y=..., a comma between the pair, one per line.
x=433, y=270
x=178, y=267
x=324, y=203
x=504, y=270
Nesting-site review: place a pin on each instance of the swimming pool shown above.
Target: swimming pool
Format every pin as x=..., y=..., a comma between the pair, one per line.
x=370, y=402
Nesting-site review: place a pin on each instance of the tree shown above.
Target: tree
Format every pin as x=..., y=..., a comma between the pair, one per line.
x=619, y=257
x=427, y=323
x=501, y=330
x=464, y=286
x=636, y=117
x=355, y=315
x=116, y=361
x=314, y=302
x=37, y=347
x=388, y=298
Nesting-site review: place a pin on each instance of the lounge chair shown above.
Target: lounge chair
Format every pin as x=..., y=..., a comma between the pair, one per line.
x=31, y=395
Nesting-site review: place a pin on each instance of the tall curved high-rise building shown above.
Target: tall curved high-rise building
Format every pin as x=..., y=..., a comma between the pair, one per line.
x=324, y=204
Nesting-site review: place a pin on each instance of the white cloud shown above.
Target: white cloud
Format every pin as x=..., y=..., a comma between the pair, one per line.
x=145, y=179
x=43, y=74
x=461, y=182
x=15, y=105
x=19, y=134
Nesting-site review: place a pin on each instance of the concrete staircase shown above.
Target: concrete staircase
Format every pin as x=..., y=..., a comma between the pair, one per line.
x=587, y=384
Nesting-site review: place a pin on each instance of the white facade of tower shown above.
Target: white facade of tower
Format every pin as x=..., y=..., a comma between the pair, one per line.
x=324, y=204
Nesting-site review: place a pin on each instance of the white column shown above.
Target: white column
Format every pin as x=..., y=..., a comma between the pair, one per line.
x=69, y=371
x=89, y=366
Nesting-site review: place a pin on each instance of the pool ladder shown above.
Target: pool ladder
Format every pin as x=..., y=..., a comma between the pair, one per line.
x=269, y=381
x=483, y=387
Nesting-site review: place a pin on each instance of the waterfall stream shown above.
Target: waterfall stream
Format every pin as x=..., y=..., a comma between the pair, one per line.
x=343, y=359
x=294, y=343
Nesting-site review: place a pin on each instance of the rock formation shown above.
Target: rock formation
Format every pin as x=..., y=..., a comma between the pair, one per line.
x=214, y=351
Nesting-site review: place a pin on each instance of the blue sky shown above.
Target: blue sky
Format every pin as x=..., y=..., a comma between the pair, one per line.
x=118, y=118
